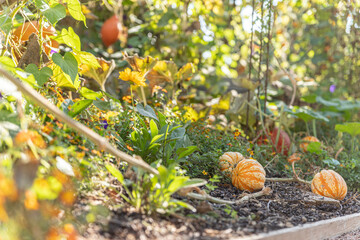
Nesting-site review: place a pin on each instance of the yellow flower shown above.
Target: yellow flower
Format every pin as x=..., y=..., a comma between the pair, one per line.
x=134, y=77
x=204, y=172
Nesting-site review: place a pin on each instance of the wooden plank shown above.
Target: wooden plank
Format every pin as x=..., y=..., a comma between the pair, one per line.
x=312, y=231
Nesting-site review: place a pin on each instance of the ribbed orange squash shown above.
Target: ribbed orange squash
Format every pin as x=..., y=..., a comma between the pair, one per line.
x=294, y=157
x=305, y=142
x=228, y=160
x=329, y=183
x=248, y=175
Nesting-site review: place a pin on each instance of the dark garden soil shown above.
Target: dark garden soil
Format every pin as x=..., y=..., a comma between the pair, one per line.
x=283, y=208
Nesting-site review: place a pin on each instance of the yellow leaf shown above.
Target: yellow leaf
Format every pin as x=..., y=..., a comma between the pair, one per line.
x=100, y=73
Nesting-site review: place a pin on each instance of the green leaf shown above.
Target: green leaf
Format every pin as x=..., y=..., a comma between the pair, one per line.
x=41, y=5
x=86, y=58
x=153, y=128
x=78, y=107
x=55, y=13
x=146, y=112
x=195, y=182
x=62, y=79
x=116, y=173
x=155, y=138
x=41, y=76
x=308, y=115
x=90, y=94
x=74, y=8
x=70, y=38
x=314, y=147
x=5, y=23
x=352, y=128
x=102, y=105
x=183, y=152
x=68, y=64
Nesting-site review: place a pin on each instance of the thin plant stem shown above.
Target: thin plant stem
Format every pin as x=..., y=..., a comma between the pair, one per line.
x=268, y=56
x=250, y=62
x=314, y=127
x=307, y=128
x=143, y=95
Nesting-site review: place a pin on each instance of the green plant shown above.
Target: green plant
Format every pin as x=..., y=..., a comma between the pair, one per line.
x=160, y=139
x=352, y=128
x=152, y=193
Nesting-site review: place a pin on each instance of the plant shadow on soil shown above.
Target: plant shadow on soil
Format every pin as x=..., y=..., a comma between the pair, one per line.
x=283, y=208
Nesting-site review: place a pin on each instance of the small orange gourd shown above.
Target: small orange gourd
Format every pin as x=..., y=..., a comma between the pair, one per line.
x=329, y=183
x=228, y=160
x=294, y=157
x=248, y=175
x=305, y=142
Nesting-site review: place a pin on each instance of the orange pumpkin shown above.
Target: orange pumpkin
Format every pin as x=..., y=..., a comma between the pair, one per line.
x=228, y=160
x=26, y=135
x=248, y=175
x=305, y=142
x=329, y=183
x=294, y=157
x=22, y=34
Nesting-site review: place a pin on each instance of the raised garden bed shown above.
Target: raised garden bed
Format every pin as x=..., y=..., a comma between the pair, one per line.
x=284, y=214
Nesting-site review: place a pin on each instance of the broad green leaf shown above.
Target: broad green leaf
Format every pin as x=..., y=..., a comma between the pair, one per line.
x=62, y=79
x=308, y=115
x=55, y=13
x=102, y=105
x=78, y=107
x=183, y=204
x=74, y=8
x=86, y=58
x=183, y=152
x=116, y=173
x=70, y=38
x=153, y=128
x=353, y=128
x=146, y=112
x=42, y=75
x=68, y=64
x=314, y=147
x=42, y=5
x=90, y=94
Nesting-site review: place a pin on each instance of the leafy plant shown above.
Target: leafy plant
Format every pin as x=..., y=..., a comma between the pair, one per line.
x=159, y=139
x=152, y=193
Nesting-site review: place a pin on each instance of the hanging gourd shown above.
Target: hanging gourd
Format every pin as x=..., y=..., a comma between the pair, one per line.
x=305, y=142
x=329, y=183
x=228, y=161
x=248, y=175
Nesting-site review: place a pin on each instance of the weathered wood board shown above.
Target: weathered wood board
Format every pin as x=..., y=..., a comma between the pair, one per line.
x=312, y=231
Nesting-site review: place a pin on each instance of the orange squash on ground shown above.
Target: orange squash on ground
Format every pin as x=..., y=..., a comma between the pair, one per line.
x=294, y=157
x=228, y=160
x=22, y=34
x=329, y=183
x=26, y=135
x=305, y=142
x=248, y=175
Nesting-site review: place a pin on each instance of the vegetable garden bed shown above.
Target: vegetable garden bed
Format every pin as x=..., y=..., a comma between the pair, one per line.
x=283, y=214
